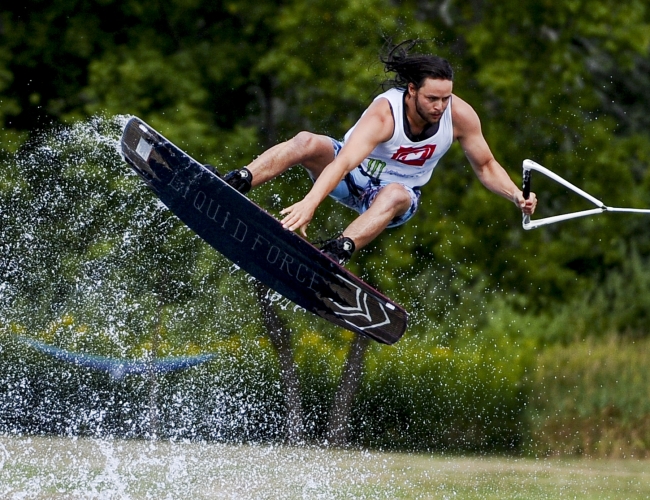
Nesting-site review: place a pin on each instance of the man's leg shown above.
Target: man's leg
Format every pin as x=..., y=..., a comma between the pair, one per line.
x=391, y=201
x=312, y=151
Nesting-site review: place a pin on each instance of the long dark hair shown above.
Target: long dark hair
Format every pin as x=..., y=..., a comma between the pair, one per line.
x=413, y=68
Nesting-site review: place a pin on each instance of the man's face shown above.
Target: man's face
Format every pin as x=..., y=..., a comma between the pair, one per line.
x=431, y=99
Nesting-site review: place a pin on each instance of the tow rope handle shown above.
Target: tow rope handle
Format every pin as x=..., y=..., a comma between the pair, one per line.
x=526, y=191
x=527, y=223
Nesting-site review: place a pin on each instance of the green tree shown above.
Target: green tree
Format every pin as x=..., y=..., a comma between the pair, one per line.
x=562, y=84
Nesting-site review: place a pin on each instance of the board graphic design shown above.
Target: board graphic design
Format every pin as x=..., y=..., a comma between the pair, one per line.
x=256, y=241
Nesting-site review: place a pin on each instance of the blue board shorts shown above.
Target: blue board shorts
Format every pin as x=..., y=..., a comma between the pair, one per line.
x=357, y=191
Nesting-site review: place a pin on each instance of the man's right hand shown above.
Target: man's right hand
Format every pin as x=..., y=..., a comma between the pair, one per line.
x=298, y=216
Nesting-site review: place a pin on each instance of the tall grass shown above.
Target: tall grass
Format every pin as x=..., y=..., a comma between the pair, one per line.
x=592, y=398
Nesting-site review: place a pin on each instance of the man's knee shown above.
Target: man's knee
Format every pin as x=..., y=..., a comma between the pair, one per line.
x=315, y=151
x=305, y=141
x=395, y=196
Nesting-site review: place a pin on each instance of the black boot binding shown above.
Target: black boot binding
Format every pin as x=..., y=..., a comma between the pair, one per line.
x=340, y=249
x=240, y=179
x=212, y=169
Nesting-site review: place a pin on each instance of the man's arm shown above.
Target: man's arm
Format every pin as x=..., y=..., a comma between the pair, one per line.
x=375, y=126
x=467, y=129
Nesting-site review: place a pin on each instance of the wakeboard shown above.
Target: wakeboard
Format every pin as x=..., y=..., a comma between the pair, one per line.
x=255, y=241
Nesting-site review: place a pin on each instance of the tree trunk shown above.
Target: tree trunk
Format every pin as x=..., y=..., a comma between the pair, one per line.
x=337, y=426
x=281, y=339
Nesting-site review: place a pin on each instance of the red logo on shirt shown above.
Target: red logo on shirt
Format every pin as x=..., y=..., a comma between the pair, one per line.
x=414, y=156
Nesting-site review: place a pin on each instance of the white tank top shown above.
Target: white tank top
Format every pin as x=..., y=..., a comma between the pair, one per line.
x=401, y=160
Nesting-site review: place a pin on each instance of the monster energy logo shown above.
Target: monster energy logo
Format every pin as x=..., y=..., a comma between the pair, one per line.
x=375, y=167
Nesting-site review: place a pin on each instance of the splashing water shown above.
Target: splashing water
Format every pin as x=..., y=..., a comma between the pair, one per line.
x=93, y=267
x=44, y=467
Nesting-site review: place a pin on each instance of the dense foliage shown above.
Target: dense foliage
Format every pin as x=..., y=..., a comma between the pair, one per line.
x=563, y=83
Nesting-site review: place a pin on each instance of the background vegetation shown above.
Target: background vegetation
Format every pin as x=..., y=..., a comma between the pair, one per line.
x=518, y=340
